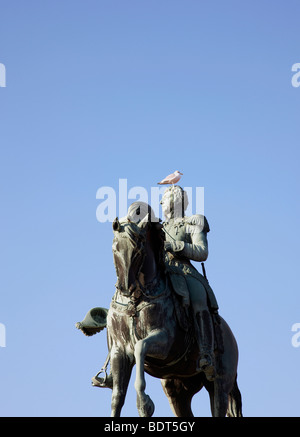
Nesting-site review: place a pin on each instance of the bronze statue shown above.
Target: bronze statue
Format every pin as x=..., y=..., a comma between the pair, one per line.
x=163, y=317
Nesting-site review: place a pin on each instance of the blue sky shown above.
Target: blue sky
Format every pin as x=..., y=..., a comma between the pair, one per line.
x=97, y=91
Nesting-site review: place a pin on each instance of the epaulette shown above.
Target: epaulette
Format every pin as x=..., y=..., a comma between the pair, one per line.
x=198, y=220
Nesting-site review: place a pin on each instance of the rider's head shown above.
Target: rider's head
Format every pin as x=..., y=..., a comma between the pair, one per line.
x=174, y=202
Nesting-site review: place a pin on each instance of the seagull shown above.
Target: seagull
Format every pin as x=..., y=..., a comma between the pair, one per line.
x=171, y=179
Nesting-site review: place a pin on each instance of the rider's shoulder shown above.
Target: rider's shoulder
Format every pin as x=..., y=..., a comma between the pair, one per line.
x=198, y=220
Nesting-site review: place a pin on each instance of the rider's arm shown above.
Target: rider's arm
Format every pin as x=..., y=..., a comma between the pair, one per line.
x=196, y=251
x=197, y=248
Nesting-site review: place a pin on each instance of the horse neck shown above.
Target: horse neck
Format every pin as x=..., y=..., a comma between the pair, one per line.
x=149, y=270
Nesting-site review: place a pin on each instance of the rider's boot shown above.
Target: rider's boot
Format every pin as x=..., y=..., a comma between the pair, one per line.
x=206, y=362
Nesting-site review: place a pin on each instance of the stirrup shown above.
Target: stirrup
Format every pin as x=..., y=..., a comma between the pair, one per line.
x=102, y=382
x=107, y=381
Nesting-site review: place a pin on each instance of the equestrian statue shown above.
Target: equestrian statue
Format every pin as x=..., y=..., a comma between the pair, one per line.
x=164, y=316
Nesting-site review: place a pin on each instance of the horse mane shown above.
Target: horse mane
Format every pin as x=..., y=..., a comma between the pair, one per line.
x=157, y=237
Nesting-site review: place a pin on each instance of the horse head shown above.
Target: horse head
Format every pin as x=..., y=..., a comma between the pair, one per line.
x=129, y=251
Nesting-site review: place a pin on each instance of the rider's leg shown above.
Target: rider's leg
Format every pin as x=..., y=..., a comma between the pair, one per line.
x=203, y=326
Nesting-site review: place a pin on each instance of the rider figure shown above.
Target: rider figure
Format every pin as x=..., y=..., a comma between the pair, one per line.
x=185, y=240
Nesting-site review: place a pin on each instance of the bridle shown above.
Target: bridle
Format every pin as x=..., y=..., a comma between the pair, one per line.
x=147, y=290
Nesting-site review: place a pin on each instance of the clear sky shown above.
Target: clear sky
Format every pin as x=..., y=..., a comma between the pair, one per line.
x=102, y=90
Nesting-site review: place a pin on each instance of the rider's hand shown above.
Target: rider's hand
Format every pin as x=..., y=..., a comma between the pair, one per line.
x=174, y=246
x=168, y=246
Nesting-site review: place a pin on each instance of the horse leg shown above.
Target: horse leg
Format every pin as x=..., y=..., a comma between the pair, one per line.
x=155, y=345
x=180, y=393
x=121, y=367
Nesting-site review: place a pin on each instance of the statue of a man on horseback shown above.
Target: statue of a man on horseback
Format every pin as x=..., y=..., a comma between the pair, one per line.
x=163, y=317
x=186, y=240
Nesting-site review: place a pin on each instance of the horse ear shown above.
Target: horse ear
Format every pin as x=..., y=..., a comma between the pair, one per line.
x=116, y=224
x=143, y=223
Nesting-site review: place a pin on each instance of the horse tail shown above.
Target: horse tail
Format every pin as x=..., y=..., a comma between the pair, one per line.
x=235, y=402
x=94, y=321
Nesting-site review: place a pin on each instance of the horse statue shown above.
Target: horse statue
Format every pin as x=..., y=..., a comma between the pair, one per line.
x=147, y=326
